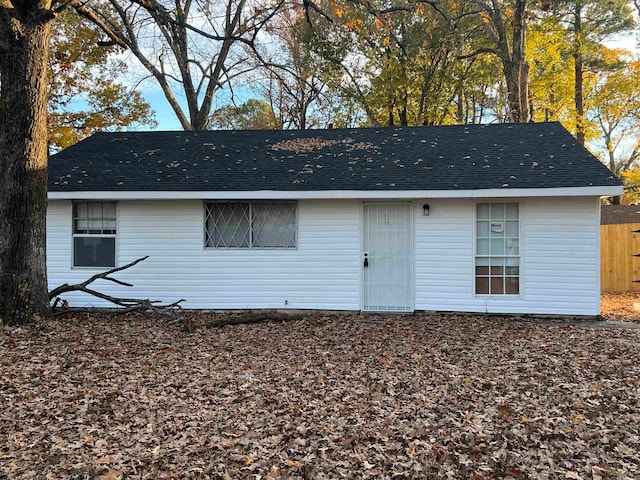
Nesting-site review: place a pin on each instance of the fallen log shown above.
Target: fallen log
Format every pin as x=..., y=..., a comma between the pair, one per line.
x=255, y=317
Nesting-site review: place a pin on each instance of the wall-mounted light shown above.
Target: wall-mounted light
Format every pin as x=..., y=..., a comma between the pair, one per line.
x=425, y=209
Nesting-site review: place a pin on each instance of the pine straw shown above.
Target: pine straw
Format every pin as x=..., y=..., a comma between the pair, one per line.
x=619, y=306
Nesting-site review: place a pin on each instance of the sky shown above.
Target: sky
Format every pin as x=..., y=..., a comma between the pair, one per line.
x=167, y=119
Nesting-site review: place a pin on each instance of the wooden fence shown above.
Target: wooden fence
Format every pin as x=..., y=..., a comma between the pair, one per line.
x=619, y=268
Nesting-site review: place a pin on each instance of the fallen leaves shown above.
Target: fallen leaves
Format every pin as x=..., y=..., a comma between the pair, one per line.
x=329, y=397
x=619, y=306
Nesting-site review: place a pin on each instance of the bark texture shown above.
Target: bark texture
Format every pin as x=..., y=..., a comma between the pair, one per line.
x=24, y=45
x=579, y=72
x=515, y=67
x=509, y=44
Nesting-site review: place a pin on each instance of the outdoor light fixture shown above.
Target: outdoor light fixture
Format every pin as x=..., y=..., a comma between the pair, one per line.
x=425, y=209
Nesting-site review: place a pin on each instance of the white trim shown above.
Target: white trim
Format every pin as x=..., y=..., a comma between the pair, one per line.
x=361, y=256
x=599, y=254
x=339, y=194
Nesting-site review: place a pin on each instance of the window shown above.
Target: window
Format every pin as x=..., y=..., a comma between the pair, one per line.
x=250, y=225
x=94, y=234
x=497, y=249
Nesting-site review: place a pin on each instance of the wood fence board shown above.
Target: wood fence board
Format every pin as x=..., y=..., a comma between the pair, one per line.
x=619, y=268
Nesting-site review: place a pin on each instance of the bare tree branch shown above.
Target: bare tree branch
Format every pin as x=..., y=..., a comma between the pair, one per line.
x=126, y=304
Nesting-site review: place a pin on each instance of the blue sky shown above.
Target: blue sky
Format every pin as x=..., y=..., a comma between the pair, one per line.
x=165, y=115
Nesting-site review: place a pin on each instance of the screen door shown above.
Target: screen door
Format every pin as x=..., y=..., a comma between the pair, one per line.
x=387, y=257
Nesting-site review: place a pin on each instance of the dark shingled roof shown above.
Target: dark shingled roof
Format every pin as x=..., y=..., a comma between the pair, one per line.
x=614, y=214
x=461, y=157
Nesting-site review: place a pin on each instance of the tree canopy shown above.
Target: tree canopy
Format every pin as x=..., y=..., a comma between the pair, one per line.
x=84, y=95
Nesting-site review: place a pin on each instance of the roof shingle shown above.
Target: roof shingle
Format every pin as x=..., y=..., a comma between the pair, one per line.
x=464, y=157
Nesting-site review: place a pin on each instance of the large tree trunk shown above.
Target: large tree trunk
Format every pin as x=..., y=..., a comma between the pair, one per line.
x=24, y=48
x=512, y=55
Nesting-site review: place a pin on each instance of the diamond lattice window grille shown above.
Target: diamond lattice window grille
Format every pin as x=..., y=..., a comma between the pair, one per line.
x=250, y=225
x=228, y=225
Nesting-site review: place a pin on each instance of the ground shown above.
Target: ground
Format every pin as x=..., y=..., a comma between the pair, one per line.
x=619, y=306
x=332, y=396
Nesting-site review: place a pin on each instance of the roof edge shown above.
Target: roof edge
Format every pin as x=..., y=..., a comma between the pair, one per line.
x=595, y=191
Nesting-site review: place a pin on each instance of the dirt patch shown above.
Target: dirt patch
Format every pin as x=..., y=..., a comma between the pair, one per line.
x=619, y=306
x=328, y=397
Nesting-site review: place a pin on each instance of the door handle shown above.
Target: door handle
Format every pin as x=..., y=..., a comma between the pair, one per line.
x=366, y=260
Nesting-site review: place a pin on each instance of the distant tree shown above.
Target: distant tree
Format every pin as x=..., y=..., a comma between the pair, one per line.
x=589, y=23
x=191, y=49
x=254, y=114
x=504, y=27
x=631, y=179
x=295, y=79
x=551, y=74
x=83, y=71
x=401, y=62
x=616, y=111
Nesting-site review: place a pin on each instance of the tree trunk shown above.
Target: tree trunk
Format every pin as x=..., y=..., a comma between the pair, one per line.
x=514, y=65
x=512, y=78
x=579, y=72
x=24, y=49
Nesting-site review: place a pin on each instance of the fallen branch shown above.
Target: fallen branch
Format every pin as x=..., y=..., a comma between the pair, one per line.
x=255, y=318
x=123, y=305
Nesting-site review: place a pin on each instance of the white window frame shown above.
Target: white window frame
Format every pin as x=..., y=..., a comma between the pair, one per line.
x=250, y=203
x=476, y=256
x=75, y=235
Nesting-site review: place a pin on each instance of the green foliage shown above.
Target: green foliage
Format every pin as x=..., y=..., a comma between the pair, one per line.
x=254, y=114
x=403, y=65
x=82, y=73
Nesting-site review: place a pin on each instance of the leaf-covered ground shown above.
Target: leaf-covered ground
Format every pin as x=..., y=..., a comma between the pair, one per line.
x=619, y=306
x=331, y=397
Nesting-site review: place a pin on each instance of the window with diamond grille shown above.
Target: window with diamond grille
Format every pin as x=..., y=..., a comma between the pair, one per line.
x=250, y=225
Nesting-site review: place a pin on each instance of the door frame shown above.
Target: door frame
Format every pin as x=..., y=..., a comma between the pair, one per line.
x=412, y=250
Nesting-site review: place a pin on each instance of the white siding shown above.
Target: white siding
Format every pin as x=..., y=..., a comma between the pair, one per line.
x=559, y=261
x=323, y=272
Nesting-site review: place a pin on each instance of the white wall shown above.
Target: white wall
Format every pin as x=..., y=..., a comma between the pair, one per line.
x=323, y=272
x=560, y=258
x=559, y=264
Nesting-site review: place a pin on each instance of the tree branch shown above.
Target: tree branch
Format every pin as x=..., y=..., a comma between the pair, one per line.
x=126, y=304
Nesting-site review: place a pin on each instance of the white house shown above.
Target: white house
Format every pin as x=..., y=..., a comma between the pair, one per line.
x=478, y=218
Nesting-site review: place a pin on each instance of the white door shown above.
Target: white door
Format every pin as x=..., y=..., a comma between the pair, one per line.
x=387, y=257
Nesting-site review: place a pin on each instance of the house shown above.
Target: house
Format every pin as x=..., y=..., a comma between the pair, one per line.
x=475, y=218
